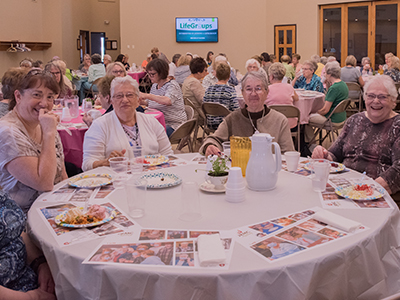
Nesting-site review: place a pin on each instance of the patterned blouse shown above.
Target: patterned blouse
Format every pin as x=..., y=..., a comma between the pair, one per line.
x=373, y=148
x=14, y=272
x=222, y=94
x=314, y=85
x=15, y=143
x=174, y=114
x=393, y=73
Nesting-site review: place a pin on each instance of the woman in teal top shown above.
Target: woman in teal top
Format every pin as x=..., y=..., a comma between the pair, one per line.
x=336, y=94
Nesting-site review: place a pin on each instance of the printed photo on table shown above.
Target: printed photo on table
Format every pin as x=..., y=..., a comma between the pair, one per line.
x=303, y=237
x=152, y=234
x=274, y=248
x=51, y=212
x=104, y=191
x=332, y=233
x=195, y=234
x=302, y=215
x=177, y=234
x=312, y=225
x=284, y=221
x=186, y=246
x=266, y=227
x=378, y=203
x=138, y=253
x=184, y=259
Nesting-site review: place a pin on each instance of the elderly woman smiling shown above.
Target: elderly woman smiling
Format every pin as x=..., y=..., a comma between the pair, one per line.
x=113, y=134
x=31, y=154
x=370, y=140
x=255, y=117
x=308, y=81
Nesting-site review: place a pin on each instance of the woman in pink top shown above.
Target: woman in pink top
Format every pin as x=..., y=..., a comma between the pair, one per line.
x=278, y=92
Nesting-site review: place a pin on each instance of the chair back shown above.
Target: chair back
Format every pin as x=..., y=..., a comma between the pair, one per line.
x=215, y=109
x=289, y=111
x=353, y=86
x=199, y=111
x=341, y=107
x=397, y=84
x=189, y=112
x=181, y=135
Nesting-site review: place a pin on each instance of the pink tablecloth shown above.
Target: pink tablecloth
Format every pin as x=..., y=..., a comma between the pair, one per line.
x=309, y=105
x=73, y=144
x=137, y=76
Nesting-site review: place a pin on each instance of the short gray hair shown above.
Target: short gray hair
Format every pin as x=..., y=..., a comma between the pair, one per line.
x=252, y=61
x=331, y=58
x=333, y=69
x=277, y=70
x=366, y=58
x=384, y=80
x=324, y=60
x=255, y=75
x=311, y=64
x=315, y=58
x=122, y=80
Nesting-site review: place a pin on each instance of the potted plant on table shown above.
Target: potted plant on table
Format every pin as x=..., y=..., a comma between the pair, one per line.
x=218, y=174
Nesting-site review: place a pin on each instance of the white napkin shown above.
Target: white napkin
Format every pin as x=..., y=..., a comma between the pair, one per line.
x=211, y=251
x=94, y=113
x=336, y=221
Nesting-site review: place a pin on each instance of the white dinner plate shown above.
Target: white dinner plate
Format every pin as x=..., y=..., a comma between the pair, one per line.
x=90, y=180
x=110, y=214
x=155, y=160
x=161, y=180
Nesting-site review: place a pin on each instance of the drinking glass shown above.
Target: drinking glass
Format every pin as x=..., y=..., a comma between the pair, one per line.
x=136, y=190
x=73, y=105
x=292, y=160
x=120, y=167
x=320, y=174
x=190, y=202
x=136, y=166
x=86, y=106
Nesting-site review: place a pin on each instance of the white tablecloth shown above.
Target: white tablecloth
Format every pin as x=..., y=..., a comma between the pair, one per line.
x=365, y=266
x=309, y=105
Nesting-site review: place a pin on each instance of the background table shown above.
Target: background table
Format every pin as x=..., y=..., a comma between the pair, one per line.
x=364, y=266
x=73, y=144
x=137, y=75
x=309, y=105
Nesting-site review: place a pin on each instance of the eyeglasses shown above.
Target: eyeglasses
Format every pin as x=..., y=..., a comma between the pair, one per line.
x=381, y=97
x=306, y=69
x=118, y=72
x=249, y=90
x=129, y=96
x=152, y=74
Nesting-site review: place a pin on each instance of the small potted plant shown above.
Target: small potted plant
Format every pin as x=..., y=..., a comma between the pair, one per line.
x=218, y=174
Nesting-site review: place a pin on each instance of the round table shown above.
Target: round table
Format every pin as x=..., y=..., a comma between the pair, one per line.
x=362, y=267
x=137, y=75
x=73, y=144
x=309, y=104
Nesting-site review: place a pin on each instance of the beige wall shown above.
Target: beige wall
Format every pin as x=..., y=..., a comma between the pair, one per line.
x=56, y=21
x=246, y=27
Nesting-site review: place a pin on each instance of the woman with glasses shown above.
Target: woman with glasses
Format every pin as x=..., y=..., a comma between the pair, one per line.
x=165, y=95
x=55, y=70
x=115, y=133
x=116, y=69
x=308, y=80
x=84, y=66
x=254, y=118
x=31, y=155
x=370, y=140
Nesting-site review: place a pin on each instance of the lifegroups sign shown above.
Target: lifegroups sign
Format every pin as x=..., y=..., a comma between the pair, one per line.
x=196, y=29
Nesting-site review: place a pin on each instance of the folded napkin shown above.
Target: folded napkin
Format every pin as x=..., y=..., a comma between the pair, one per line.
x=94, y=113
x=336, y=221
x=211, y=251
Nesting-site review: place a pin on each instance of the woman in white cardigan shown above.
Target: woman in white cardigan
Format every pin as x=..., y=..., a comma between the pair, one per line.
x=115, y=133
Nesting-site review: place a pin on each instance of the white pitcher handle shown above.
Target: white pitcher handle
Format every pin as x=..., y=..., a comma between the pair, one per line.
x=278, y=157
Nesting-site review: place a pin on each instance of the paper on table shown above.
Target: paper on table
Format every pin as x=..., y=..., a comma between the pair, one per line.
x=336, y=221
x=211, y=251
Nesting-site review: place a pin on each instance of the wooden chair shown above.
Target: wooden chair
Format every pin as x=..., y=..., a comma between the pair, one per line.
x=91, y=91
x=356, y=103
x=181, y=135
x=290, y=111
x=213, y=109
x=328, y=126
x=145, y=84
x=397, y=108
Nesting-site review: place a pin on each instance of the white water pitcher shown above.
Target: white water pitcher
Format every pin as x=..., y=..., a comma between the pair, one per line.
x=262, y=169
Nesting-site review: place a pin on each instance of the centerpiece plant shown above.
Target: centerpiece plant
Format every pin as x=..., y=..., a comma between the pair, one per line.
x=219, y=167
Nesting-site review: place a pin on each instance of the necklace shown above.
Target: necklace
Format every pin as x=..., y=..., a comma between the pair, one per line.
x=133, y=136
x=251, y=121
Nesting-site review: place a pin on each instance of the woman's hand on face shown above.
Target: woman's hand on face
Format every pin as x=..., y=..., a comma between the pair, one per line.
x=212, y=150
x=48, y=121
x=320, y=152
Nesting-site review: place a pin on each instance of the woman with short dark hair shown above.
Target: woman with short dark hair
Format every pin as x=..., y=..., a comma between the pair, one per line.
x=165, y=95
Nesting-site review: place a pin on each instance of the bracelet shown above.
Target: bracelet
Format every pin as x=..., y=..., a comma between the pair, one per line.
x=37, y=262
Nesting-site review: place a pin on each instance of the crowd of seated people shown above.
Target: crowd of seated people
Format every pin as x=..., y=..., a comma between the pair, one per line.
x=32, y=158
